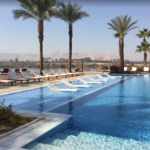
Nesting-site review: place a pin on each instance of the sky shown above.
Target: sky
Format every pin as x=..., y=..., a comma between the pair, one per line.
x=89, y=34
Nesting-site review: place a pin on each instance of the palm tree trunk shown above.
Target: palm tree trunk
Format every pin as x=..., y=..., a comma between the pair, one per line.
x=145, y=59
x=40, y=31
x=70, y=46
x=121, y=54
x=145, y=55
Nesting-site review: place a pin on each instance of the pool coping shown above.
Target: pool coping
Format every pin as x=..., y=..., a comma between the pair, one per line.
x=23, y=136
x=26, y=89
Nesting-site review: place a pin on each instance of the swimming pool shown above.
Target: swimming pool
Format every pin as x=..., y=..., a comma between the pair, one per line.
x=42, y=99
x=117, y=118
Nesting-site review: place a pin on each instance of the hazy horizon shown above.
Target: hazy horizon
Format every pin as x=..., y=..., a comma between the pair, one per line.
x=59, y=54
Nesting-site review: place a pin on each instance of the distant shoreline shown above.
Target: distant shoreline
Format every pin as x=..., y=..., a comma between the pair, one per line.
x=30, y=64
x=37, y=65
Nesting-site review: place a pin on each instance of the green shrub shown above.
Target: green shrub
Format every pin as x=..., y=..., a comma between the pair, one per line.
x=28, y=119
x=127, y=72
x=5, y=112
x=18, y=117
x=113, y=71
x=13, y=122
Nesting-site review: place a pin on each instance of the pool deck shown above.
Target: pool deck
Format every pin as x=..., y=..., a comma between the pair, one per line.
x=19, y=138
x=24, y=86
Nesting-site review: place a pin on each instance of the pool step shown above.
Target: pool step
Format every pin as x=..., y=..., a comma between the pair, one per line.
x=65, y=141
x=32, y=145
x=80, y=140
x=72, y=132
x=77, y=140
x=46, y=147
x=48, y=140
x=59, y=136
x=75, y=145
x=86, y=135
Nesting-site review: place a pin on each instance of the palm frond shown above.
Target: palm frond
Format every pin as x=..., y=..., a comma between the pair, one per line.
x=145, y=47
x=122, y=24
x=144, y=33
x=135, y=27
x=119, y=20
x=139, y=35
x=124, y=34
x=138, y=46
x=70, y=13
x=116, y=35
x=37, y=9
x=145, y=29
x=139, y=50
x=113, y=27
x=148, y=34
x=130, y=25
x=23, y=13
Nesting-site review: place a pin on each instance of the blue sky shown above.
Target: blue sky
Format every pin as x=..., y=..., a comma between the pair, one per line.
x=89, y=34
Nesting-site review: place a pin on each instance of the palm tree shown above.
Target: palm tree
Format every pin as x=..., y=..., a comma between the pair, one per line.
x=70, y=14
x=39, y=10
x=143, y=34
x=121, y=24
x=145, y=47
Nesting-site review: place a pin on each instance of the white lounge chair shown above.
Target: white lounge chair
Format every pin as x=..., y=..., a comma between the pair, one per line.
x=91, y=82
x=13, y=76
x=77, y=86
x=7, y=81
x=61, y=71
x=69, y=73
x=113, y=77
x=146, y=69
x=101, y=77
x=79, y=73
x=90, y=78
x=134, y=69
x=125, y=68
x=46, y=74
x=63, y=75
x=36, y=74
x=27, y=76
x=54, y=88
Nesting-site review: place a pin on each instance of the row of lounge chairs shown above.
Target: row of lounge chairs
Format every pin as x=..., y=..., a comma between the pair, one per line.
x=36, y=76
x=86, y=84
x=68, y=84
x=27, y=77
x=6, y=81
x=7, y=70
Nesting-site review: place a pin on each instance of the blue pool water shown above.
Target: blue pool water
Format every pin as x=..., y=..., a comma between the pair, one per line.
x=116, y=118
x=122, y=111
x=42, y=99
